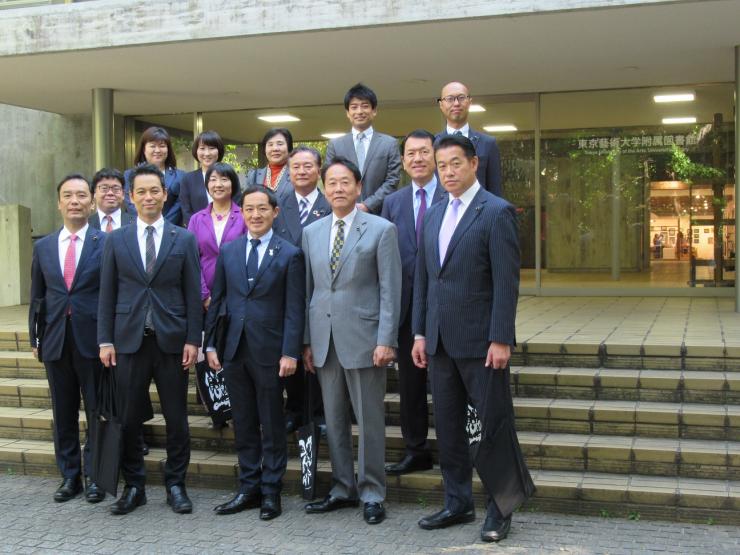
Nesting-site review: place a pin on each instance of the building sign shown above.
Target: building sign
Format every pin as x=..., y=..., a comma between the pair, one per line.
x=636, y=144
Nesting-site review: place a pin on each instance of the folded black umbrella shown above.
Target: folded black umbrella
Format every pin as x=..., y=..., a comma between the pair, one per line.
x=106, y=436
x=38, y=324
x=308, y=444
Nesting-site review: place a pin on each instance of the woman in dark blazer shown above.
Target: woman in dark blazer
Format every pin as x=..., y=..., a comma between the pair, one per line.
x=155, y=147
x=217, y=224
x=208, y=148
x=275, y=147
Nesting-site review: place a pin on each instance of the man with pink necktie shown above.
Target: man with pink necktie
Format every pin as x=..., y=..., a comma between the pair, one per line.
x=110, y=211
x=65, y=280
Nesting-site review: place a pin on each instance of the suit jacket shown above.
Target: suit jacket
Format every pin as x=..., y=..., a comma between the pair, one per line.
x=470, y=300
x=171, y=211
x=269, y=312
x=288, y=221
x=382, y=170
x=172, y=291
x=47, y=283
x=201, y=225
x=398, y=208
x=193, y=195
x=127, y=218
x=257, y=177
x=357, y=308
x=489, y=160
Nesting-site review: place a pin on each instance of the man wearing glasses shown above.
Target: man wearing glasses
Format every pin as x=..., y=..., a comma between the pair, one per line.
x=110, y=213
x=454, y=102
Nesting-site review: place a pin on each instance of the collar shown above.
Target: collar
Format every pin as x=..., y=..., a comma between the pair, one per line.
x=116, y=215
x=368, y=133
x=65, y=233
x=465, y=129
x=158, y=226
x=348, y=219
x=310, y=197
x=430, y=187
x=264, y=240
x=467, y=197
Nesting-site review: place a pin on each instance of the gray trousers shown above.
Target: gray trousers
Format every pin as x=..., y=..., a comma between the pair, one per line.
x=362, y=390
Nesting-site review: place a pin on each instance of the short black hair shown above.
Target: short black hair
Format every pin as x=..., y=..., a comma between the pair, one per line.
x=309, y=149
x=107, y=173
x=361, y=92
x=417, y=134
x=70, y=177
x=147, y=169
x=271, y=133
x=152, y=135
x=456, y=140
x=339, y=161
x=208, y=138
x=260, y=189
x=222, y=168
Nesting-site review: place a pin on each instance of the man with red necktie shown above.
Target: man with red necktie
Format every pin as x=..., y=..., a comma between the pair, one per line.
x=110, y=211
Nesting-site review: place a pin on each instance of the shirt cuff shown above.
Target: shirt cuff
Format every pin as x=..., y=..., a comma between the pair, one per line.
x=210, y=349
x=418, y=336
x=105, y=345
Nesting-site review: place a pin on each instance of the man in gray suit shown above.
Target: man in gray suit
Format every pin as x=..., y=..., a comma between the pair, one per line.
x=110, y=213
x=353, y=294
x=375, y=154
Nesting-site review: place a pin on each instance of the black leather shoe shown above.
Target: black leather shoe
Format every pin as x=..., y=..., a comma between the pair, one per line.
x=270, y=506
x=445, y=518
x=93, y=493
x=409, y=464
x=239, y=503
x=68, y=489
x=329, y=504
x=495, y=529
x=178, y=499
x=374, y=513
x=131, y=498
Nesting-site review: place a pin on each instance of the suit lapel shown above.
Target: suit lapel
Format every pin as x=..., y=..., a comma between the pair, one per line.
x=169, y=235
x=371, y=150
x=474, y=137
x=350, y=146
x=53, y=255
x=292, y=217
x=259, y=176
x=242, y=261
x=471, y=213
x=431, y=233
x=273, y=249
x=319, y=209
x=94, y=220
x=359, y=225
x=407, y=213
x=88, y=246
x=132, y=243
x=230, y=221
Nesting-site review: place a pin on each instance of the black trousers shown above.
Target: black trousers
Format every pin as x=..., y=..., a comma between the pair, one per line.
x=134, y=374
x=298, y=390
x=412, y=388
x=257, y=403
x=454, y=382
x=69, y=376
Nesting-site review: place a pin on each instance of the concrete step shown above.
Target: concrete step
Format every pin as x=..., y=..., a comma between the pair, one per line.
x=582, y=492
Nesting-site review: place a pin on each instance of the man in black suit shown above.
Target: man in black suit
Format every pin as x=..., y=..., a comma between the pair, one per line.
x=465, y=295
x=266, y=303
x=454, y=102
x=149, y=326
x=65, y=279
x=110, y=213
x=298, y=208
x=406, y=209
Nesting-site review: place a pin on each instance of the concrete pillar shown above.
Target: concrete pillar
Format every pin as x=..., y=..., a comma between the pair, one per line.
x=197, y=130
x=737, y=180
x=102, y=126
x=616, y=216
x=537, y=195
x=15, y=252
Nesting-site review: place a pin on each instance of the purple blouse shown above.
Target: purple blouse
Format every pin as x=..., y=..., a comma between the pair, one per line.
x=201, y=225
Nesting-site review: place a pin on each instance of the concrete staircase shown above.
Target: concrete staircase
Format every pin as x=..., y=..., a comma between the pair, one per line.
x=660, y=441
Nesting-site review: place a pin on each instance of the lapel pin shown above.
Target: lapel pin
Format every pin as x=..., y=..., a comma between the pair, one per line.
x=316, y=213
x=270, y=252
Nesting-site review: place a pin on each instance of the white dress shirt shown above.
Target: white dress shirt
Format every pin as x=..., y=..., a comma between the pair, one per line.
x=348, y=219
x=141, y=236
x=465, y=130
x=366, y=143
x=64, y=241
x=310, y=197
x=430, y=188
x=116, y=217
x=261, y=248
x=210, y=199
x=465, y=199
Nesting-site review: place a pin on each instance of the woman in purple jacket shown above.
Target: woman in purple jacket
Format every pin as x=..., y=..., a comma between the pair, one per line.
x=218, y=223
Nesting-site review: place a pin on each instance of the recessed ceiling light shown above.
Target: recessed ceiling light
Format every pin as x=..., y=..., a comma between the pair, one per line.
x=476, y=108
x=674, y=121
x=332, y=135
x=499, y=128
x=674, y=97
x=279, y=118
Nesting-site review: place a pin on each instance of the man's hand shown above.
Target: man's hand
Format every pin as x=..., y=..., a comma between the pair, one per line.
x=206, y=304
x=287, y=366
x=382, y=356
x=35, y=353
x=108, y=356
x=308, y=359
x=213, y=361
x=419, y=353
x=189, y=356
x=498, y=356
x=361, y=206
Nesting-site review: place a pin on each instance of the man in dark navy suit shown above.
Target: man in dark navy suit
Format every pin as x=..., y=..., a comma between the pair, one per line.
x=110, y=211
x=149, y=326
x=298, y=208
x=454, y=102
x=465, y=295
x=406, y=208
x=261, y=284
x=65, y=280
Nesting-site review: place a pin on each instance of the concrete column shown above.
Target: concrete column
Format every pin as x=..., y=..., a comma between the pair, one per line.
x=197, y=130
x=737, y=180
x=102, y=124
x=537, y=195
x=15, y=250
x=616, y=216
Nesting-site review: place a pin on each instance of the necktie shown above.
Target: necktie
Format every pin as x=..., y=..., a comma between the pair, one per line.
x=151, y=252
x=253, y=260
x=304, y=211
x=70, y=262
x=337, y=248
x=457, y=133
x=360, y=150
x=448, y=228
x=422, y=194
x=109, y=225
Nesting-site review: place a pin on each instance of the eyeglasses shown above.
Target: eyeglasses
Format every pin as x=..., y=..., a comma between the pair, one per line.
x=110, y=189
x=451, y=99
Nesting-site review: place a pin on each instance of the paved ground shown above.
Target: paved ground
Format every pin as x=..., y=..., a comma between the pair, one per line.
x=30, y=522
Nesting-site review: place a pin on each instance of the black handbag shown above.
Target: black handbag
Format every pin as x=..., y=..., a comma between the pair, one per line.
x=213, y=393
x=38, y=324
x=308, y=444
x=106, y=435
